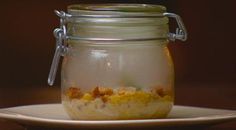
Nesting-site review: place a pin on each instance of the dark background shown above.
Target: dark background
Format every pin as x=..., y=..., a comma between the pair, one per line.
x=205, y=64
x=206, y=61
x=27, y=43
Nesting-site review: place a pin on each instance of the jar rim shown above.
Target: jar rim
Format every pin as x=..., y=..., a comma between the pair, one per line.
x=129, y=8
x=112, y=19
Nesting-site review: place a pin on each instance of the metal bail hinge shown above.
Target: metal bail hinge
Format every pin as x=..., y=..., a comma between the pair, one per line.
x=181, y=32
x=60, y=35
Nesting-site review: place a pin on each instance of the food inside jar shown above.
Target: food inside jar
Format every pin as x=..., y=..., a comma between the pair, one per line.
x=104, y=103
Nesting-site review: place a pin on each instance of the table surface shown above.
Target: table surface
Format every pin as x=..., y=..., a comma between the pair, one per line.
x=208, y=95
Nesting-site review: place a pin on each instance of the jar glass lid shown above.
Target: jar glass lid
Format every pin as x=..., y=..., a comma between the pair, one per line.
x=144, y=8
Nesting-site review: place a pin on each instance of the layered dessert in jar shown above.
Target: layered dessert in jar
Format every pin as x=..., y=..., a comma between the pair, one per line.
x=103, y=103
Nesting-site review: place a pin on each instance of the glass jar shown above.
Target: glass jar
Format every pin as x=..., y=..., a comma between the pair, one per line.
x=116, y=61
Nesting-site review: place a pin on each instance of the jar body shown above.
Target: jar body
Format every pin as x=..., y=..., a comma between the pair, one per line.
x=132, y=80
x=116, y=61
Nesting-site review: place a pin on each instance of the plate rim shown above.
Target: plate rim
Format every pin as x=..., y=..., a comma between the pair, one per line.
x=31, y=120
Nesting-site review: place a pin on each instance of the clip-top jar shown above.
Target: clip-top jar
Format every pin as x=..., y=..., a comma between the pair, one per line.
x=116, y=62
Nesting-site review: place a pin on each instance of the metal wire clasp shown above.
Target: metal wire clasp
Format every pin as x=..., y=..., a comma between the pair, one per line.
x=181, y=32
x=61, y=47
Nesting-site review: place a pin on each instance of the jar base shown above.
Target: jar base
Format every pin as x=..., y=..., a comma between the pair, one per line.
x=97, y=110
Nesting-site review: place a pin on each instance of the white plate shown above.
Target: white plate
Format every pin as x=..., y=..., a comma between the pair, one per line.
x=54, y=115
